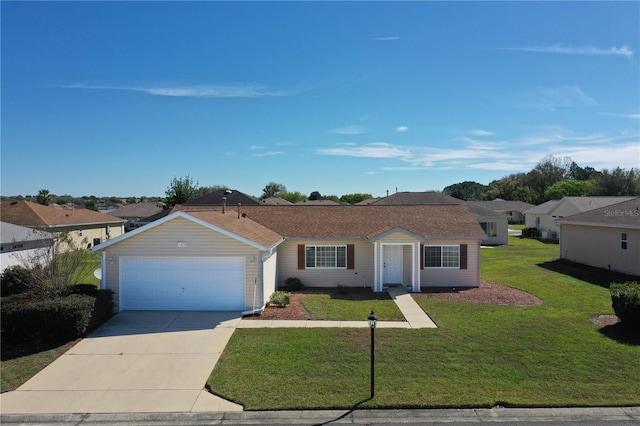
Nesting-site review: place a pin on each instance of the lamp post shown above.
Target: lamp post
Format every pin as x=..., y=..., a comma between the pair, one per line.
x=373, y=319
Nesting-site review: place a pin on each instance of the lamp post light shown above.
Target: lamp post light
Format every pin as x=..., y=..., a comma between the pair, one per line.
x=373, y=319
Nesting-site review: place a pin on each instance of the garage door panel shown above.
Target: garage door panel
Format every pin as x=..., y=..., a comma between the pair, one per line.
x=182, y=283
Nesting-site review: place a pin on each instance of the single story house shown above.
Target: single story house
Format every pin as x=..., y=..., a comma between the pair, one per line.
x=218, y=258
x=87, y=228
x=607, y=237
x=546, y=217
x=514, y=210
x=494, y=223
x=20, y=246
x=135, y=214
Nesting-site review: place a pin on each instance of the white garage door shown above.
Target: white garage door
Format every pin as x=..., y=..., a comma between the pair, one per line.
x=190, y=284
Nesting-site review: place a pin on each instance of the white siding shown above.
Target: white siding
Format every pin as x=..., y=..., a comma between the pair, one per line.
x=360, y=276
x=162, y=241
x=469, y=277
x=269, y=271
x=601, y=247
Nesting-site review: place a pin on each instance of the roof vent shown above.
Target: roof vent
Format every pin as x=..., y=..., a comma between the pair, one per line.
x=228, y=191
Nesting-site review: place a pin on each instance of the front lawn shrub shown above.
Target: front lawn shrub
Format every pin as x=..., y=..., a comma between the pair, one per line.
x=102, y=308
x=280, y=299
x=293, y=284
x=625, y=299
x=15, y=280
x=49, y=320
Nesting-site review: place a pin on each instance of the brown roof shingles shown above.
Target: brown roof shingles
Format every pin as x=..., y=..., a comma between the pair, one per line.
x=349, y=222
x=26, y=213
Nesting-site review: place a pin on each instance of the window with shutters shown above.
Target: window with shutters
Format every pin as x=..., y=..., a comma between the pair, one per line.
x=442, y=256
x=327, y=257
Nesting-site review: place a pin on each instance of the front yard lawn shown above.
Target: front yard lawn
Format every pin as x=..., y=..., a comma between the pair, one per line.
x=349, y=307
x=480, y=356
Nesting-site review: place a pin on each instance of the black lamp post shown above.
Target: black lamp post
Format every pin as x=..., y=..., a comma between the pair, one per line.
x=373, y=319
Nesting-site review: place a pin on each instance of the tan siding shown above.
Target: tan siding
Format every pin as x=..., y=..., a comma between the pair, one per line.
x=162, y=241
x=361, y=275
x=269, y=275
x=600, y=247
x=454, y=277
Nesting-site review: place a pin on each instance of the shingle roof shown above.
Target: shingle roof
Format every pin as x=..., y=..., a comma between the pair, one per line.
x=30, y=214
x=544, y=208
x=10, y=233
x=240, y=226
x=503, y=205
x=435, y=221
x=138, y=210
x=233, y=198
x=624, y=213
x=276, y=200
x=417, y=198
x=317, y=203
x=589, y=203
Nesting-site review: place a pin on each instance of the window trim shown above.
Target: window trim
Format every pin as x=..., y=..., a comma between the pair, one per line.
x=441, y=246
x=490, y=225
x=624, y=240
x=335, y=246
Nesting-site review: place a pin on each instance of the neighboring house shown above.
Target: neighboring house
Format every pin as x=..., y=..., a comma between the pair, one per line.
x=546, y=217
x=607, y=237
x=86, y=228
x=20, y=245
x=317, y=203
x=230, y=197
x=276, y=201
x=493, y=223
x=513, y=209
x=206, y=259
x=136, y=214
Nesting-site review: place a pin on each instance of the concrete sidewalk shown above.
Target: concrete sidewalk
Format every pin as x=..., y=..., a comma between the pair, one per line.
x=414, y=315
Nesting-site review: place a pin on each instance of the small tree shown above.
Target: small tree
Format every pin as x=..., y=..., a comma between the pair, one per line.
x=293, y=197
x=181, y=190
x=273, y=190
x=44, y=197
x=56, y=267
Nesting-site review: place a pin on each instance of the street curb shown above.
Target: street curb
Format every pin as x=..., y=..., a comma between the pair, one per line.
x=322, y=417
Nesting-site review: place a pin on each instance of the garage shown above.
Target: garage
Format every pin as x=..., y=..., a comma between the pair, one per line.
x=179, y=283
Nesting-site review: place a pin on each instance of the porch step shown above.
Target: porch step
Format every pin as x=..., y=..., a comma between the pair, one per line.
x=412, y=312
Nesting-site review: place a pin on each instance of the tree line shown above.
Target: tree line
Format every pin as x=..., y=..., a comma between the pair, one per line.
x=551, y=179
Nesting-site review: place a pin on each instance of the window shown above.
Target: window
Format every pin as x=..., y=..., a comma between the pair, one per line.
x=442, y=257
x=623, y=240
x=490, y=228
x=326, y=257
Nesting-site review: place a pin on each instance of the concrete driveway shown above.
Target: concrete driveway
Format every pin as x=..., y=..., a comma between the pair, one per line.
x=139, y=361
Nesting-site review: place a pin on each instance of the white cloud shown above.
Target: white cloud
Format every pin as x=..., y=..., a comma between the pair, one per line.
x=634, y=116
x=402, y=129
x=480, y=132
x=268, y=154
x=256, y=147
x=372, y=150
x=575, y=50
x=350, y=130
x=197, y=91
x=548, y=99
x=385, y=38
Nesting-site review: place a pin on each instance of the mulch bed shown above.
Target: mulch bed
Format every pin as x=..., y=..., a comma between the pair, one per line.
x=488, y=293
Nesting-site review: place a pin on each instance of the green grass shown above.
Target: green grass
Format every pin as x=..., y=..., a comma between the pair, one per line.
x=480, y=356
x=340, y=307
x=19, y=364
x=89, y=263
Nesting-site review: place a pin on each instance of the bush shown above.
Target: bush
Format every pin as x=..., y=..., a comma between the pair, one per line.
x=15, y=280
x=293, y=284
x=54, y=320
x=625, y=299
x=280, y=299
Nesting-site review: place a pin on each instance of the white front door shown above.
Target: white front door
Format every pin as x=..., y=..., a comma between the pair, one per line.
x=392, y=265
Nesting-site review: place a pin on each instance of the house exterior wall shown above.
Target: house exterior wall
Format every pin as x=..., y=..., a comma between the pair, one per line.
x=546, y=223
x=600, y=246
x=502, y=231
x=360, y=276
x=269, y=274
x=469, y=277
x=162, y=241
x=83, y=236
x=21, y=253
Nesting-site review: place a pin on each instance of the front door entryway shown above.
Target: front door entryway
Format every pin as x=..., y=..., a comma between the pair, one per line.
x=392, y=265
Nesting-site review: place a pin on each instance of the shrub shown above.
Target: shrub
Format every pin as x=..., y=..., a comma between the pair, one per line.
x=293, y=284
x=54, y=320
x=280, y=299
x=625, y=299
x=15, y=280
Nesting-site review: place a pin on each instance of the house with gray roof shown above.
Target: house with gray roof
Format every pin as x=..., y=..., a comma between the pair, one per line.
x=219, y=258
x=606, y=237
x=514, y=210
x=546, y=217
x=20, y=244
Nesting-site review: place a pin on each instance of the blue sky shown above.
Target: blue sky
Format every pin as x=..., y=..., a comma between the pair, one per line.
x=117, y=98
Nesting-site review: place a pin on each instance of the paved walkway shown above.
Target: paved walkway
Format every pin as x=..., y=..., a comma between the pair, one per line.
x=414, y=315
x=142, y=362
